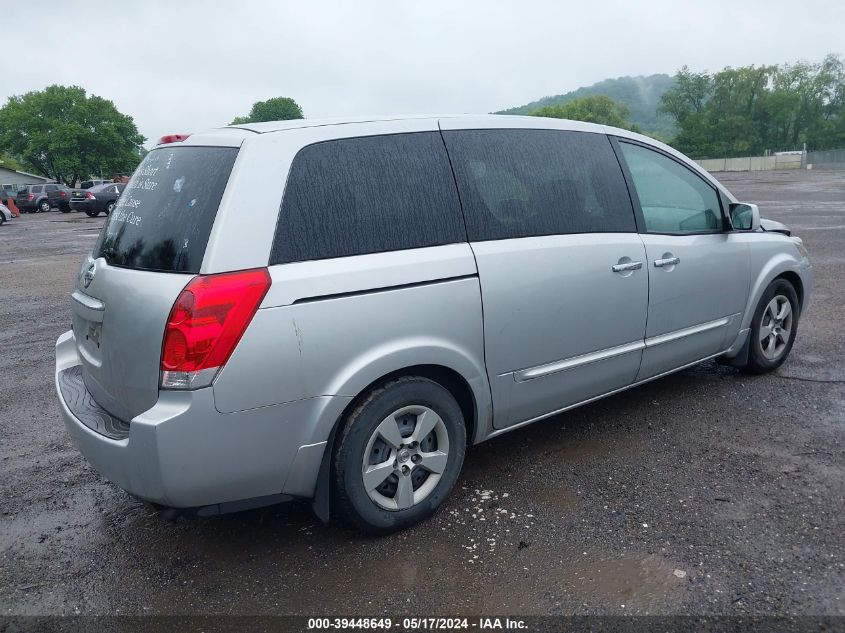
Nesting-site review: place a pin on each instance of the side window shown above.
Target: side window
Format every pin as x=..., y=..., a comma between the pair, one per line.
x=522, y=183
x=368, y=195
x=673, y=198
x=37, y=189
x=49, y=188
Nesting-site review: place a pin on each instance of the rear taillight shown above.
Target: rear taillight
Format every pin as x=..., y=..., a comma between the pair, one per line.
x=31, y=196
x=90, y=196
x=206, y=323
x=62, y=194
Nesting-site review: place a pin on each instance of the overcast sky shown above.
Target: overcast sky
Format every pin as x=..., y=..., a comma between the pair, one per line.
x=181, y=66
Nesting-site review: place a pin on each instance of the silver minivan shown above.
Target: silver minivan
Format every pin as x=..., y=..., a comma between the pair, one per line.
x=333, y=310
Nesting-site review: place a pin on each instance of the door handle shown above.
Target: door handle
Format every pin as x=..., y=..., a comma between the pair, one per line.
x=668, y=261
x=621, y=268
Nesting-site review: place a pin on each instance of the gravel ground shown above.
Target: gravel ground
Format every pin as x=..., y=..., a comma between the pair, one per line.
x=706, y=492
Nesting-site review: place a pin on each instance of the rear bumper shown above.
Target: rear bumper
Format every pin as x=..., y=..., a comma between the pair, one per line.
x=183, y=453
x=84, y=205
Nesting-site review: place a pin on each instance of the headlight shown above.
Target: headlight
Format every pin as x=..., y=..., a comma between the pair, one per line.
x=799, y=244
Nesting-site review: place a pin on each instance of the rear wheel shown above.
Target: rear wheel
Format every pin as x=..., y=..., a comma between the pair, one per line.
x=92, y=214
x=44, y=206
x=399, y=454
x=773, y=328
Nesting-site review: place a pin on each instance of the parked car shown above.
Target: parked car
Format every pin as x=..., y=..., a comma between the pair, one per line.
x=98, y=199
x=32, y=199
x=394, y=291
x=58, y=195
x=87, y=184
x=5, y=214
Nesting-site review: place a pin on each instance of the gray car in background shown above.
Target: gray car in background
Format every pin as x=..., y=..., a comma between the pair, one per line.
x=33, y=199
x=335, y=310
x=96, y=199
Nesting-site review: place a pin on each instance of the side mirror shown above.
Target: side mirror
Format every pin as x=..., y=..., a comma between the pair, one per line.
x=744, y=217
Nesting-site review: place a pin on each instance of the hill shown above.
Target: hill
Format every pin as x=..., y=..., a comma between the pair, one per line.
x=641, y=95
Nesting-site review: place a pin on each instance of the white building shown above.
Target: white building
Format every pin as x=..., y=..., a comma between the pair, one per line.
x=13, y=180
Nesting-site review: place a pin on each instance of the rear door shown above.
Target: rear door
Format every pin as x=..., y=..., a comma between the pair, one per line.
x=150, y=247
x=698, y=269
x=563, y=283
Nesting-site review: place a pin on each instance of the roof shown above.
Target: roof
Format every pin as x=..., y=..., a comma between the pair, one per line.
x=277, y=126
x=234, y=135
x=292, y=124
x=23, y=173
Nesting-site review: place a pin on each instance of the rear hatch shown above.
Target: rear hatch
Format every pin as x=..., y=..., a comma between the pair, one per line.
x=150, y=247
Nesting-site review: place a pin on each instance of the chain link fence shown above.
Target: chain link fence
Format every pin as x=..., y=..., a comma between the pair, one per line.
x=826, y=159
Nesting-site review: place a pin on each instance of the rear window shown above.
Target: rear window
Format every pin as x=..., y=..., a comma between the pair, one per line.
x=164, y=217
x=368, y=195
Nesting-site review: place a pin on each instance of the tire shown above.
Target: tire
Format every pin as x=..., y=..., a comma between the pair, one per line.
x=408, y=491
x=769, y=348
x=64, y=209
x=2, y=219
x=92, y=214
x=44, y=206
x=109, y=207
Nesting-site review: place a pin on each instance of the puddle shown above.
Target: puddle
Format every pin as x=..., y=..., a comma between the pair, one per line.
x=593, y=584
x=623, y=583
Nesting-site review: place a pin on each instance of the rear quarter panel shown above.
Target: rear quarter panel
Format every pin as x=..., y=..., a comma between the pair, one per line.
x=332, y=328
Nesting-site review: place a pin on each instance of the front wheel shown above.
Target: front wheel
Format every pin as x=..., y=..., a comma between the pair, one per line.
x=109, y=208
x=399, y=454
x=92, y=214
x=773, y=328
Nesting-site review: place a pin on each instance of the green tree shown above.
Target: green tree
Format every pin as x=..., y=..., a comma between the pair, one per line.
x=738, y=112
x=9, y=163
x=750, y=110
x=63, y=133
x=808, y=104
x=688, y=96
x=593, y=109
x=276, y=109
x=685, y=102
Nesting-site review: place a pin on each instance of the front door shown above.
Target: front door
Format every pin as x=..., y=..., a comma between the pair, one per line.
x=698, y=269
x=563, y=279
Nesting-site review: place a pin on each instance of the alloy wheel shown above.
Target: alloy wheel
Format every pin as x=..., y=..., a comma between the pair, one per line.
x=775, y=327
x=405, y=457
